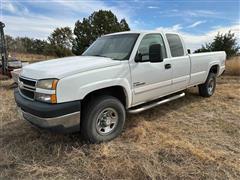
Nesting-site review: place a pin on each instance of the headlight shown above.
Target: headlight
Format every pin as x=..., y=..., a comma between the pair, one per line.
x=49, y=84
x=46, y=90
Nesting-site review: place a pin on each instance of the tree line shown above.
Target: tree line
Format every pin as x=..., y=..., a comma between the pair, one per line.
x=65, y=42
x=58, y=44
x=227, y=42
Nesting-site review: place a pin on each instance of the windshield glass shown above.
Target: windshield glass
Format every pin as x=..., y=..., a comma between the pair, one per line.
x=117, y=47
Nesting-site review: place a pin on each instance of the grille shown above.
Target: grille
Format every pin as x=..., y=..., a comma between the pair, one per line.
x=28, y=81
x=27, y=87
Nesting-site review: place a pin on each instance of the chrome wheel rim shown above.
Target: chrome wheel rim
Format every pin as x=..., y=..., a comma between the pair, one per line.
x=211, y=86
x=106, y=121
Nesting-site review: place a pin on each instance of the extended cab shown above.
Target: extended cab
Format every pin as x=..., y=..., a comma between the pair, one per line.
x=119, y=73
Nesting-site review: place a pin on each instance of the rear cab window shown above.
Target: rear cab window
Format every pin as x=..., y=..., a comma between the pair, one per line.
x=175, y=45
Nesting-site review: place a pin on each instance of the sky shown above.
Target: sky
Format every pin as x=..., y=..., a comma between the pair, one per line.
x=197, y=20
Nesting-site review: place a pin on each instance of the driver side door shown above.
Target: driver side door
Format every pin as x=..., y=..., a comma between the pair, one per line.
x=150, y=80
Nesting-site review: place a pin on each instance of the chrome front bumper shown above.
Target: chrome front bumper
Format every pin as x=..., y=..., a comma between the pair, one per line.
x=62, y=117
x=65, y=123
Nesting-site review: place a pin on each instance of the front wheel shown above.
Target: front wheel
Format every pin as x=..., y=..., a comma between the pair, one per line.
x=103, y=119
x=207, y=89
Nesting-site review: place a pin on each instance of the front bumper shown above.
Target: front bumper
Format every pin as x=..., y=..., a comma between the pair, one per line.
x=64, y=117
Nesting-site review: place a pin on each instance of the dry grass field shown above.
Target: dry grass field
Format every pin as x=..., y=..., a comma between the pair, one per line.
x=30, y=57
x=233, y=66
x=189, y=138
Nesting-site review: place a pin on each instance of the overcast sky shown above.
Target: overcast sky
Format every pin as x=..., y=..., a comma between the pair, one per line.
x=197, y=20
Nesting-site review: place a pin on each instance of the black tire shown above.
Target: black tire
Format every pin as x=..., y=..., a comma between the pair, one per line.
x=95, y=110
x=207, y=89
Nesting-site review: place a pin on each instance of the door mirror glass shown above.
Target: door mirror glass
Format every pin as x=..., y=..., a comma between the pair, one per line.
x=155, y=53
x=138, y=57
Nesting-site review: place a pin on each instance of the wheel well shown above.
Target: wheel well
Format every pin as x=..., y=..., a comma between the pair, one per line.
x=214, y=69
x=115, y=91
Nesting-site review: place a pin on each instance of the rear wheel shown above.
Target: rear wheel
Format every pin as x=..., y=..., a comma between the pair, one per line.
x=103, y=119
x=208, y=88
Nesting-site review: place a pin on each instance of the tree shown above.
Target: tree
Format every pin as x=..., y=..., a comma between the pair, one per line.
x=222, y=42
x=26, y=45
x=38, y=46
x=10, y=43
x=34, y=46
x=62, y=37
x=84, y=36
x=97, y=24
x=61, y=41
x=124, y=25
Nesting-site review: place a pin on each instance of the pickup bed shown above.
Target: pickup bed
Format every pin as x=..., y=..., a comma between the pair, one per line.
x=119, y=73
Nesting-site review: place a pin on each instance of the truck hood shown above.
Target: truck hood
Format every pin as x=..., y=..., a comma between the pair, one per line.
x=62, y=67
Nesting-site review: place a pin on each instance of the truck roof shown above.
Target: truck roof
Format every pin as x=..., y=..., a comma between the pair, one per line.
x=141, y=32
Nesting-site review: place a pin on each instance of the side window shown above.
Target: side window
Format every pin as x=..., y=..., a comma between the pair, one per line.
x=148, y=40
x=175, y=45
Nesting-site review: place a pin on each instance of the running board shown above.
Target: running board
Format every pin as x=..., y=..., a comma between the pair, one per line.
x=147, y=106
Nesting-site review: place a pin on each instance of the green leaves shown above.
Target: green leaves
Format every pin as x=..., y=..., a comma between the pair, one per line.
x=61, y=41
x=62, y=37
x=97, y=24
x=222, y=42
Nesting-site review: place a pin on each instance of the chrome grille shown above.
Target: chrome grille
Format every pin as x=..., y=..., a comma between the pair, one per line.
x=28, y=82
x=27, y=87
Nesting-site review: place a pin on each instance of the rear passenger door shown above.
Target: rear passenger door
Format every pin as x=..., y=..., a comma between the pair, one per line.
x=179, y=61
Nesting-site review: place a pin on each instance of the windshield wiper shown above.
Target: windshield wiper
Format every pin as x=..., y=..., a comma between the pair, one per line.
x=98, y=55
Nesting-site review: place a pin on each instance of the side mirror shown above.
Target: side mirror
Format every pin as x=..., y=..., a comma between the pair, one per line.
x=155, y=53
x=138, y=57
x=188, y=51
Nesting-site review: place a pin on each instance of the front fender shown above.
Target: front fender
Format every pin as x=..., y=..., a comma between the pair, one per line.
x=86, y=89
x=77, y=86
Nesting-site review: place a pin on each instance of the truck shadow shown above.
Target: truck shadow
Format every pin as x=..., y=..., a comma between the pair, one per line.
x=153, y=114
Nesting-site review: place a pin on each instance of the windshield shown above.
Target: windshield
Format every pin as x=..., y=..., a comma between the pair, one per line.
x=117, y=47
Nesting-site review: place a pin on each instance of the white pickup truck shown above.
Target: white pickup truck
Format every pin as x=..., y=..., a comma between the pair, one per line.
x=119, y=73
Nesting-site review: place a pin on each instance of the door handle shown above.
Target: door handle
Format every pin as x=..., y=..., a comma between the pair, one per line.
x=167, y=66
